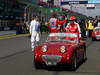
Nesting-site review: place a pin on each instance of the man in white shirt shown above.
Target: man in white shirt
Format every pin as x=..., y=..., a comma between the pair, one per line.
x=34, y=31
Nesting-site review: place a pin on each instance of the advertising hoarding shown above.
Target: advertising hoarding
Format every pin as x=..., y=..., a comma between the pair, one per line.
x=90, y=6
x=64, y=2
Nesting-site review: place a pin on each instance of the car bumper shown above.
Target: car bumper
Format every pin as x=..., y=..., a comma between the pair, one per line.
x=53, y=60
x=96, y=37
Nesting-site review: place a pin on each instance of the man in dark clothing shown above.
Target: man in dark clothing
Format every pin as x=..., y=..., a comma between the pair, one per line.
x=83, y=27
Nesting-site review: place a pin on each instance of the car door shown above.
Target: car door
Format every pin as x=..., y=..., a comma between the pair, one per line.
x=80, y=51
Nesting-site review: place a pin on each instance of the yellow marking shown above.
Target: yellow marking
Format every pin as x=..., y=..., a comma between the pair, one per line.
x=12, y=36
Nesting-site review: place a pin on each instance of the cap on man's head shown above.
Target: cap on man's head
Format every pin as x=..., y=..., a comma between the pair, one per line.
x=72, y=18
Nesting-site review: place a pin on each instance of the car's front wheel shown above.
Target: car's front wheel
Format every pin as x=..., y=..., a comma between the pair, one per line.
x=37, y=65
x=74, y=62
x=93, y=39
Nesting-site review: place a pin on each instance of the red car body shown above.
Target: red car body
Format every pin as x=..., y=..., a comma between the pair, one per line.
x=96, y=34
x=53, y=56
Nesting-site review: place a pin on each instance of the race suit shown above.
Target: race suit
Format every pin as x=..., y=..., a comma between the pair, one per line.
x=74, y=28
x=34, y=31
x=53, y=28
x=61, y=24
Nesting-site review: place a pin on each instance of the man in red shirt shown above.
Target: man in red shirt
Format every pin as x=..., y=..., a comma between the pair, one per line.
x=61, y=22
x=73, y=27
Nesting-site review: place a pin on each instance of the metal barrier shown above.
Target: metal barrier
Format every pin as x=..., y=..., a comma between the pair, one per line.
x=7, y=24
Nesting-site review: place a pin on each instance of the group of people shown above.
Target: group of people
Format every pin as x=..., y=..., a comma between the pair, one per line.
x=88, y=25
x=61, y=24
x=54, y=25
x=84, y=27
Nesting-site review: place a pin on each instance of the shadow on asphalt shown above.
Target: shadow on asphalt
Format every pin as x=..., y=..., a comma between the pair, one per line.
x=96, y=41
x=60, y=68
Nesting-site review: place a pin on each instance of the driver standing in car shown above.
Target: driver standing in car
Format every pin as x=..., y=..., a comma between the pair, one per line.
x=73, y=27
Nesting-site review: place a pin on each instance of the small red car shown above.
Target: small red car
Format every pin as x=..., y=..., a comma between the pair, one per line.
x=60, y=49
x=96, y=34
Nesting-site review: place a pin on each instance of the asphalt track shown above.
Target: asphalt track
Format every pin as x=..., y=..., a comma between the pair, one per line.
x=16, y=58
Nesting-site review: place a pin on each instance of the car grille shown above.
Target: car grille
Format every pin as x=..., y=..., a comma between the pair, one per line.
x=97, y=35
x=53, y=59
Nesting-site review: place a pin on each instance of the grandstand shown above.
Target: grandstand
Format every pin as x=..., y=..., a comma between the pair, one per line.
x=10, y=10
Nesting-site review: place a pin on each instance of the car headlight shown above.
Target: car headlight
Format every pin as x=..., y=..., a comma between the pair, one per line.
x=62, y=49
x=44, y=48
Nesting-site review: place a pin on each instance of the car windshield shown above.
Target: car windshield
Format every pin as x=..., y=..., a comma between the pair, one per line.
x=97, y=29
x=70, y=37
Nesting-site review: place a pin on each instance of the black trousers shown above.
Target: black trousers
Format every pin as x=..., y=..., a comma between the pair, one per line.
x=84, y=34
